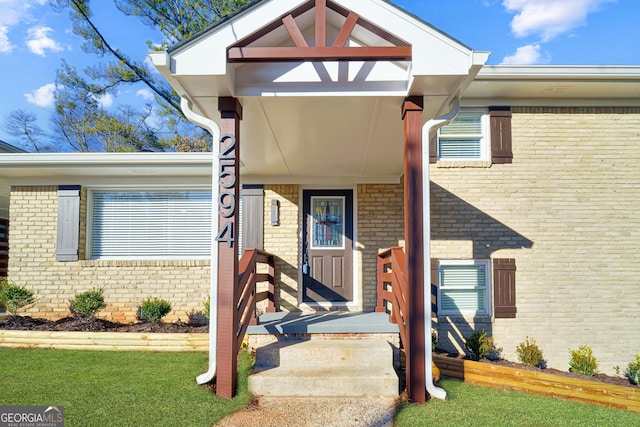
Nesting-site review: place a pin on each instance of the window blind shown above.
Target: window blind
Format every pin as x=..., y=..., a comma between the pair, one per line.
x=462, y=138
x=150, y=224
x=463, y=288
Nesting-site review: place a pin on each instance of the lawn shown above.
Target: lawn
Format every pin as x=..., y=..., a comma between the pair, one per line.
x=469, y=405
x=104, y=388
x=100, y=388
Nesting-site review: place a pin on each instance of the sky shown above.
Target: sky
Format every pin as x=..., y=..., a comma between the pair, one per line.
x=34, y=39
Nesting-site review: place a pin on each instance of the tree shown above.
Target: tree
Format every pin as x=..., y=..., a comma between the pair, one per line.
x=22, y=125
x=82, y=123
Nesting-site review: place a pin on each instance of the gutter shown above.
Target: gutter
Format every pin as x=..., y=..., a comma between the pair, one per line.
x=213, y=128
x=428, y=127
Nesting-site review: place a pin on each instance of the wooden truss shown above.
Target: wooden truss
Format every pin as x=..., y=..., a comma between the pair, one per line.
x=241, y=52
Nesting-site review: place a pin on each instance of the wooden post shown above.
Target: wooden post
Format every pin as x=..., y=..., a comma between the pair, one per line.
x=227, y=205
x=413, y=233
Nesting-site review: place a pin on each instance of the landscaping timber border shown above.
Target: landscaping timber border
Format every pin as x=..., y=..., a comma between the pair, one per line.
x=124, y=341
x=545, y=384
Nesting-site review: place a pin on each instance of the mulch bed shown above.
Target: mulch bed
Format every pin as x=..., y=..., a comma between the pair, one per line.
x=602, y=378
x=92, y=324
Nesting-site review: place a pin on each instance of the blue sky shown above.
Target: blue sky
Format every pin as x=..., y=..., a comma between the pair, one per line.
x=34, y=39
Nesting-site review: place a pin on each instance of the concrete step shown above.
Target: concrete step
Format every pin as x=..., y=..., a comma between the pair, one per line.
x=325, y=368
x=323, y=352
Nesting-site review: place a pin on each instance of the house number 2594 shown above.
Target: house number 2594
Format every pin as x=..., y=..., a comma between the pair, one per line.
x=227, y=182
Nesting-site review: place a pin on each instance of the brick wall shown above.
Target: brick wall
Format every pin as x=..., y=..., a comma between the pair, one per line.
x=568, y=211
x=380, y=226
x=282, y=241
x=32, y=263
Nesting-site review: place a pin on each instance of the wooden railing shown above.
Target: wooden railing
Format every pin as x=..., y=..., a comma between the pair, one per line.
x=4, y=248
x=393, y=291
x=246, y=289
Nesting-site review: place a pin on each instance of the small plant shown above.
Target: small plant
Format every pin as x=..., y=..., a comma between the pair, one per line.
x=529, y=354
x=583, y=361
x=154, y=309
x=434, y=339
x=207, y=307
x=479, y=345
x=87, y=303
x=633, y=371
x=15, y=297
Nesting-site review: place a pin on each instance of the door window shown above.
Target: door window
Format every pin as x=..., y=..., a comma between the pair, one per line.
x=327, y=222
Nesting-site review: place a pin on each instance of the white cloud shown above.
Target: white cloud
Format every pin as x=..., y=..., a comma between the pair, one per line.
x=549, y=18
x=145, y=94
x=105, y=100
x=5, y=44
x=43, y=96
x=13, y=13
x=526, y=55
x=39, y=40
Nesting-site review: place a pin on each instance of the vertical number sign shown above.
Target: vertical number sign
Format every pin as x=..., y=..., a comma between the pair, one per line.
x=227, y=182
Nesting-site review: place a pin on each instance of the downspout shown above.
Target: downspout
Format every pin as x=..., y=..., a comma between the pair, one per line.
x=428, y=127
x=213, y=128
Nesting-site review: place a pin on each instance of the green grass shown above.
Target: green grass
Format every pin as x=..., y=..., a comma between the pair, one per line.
x=469, y=405
x=117, y=388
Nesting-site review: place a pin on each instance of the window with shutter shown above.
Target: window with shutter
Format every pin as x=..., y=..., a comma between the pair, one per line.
x=475, y=135
x=464, y=287
x=131, y=224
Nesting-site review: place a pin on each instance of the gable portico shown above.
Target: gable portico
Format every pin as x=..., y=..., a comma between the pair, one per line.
x=333, y=94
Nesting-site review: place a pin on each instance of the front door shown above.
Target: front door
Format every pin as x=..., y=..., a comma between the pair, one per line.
x=327, y=265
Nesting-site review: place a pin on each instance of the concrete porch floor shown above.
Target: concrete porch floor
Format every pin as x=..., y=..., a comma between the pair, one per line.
x=289, y=322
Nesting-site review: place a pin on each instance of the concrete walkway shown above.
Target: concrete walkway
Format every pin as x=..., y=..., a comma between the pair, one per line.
x=316, y=412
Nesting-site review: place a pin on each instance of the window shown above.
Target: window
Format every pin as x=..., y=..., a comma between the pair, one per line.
x=465, y=138
x=464, y=287
x=149, y=224
x=328, y=219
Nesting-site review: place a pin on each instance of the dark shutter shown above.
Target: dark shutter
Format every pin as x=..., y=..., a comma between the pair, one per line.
x=252, y=217
x=433, y=148
x=68, y=223
x=4, y=248
x=504, y=287
x=434, y=287
x=500, y=129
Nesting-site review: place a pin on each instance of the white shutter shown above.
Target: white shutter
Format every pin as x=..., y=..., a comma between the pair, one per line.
x=150, y=224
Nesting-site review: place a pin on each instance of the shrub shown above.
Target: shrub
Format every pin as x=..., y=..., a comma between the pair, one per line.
x=207, y=308
x=88, y=303
x=15, y=297
x=154, y=309
x=479, y=345
x=583, y=361
x=529, y=354
x=633, y=370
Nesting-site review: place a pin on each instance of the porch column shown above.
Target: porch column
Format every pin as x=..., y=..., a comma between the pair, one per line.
x=228, y=174
x=414, y=246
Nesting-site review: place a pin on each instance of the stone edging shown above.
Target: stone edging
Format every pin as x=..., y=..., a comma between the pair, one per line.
x=124, y=341
x=486, y=374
